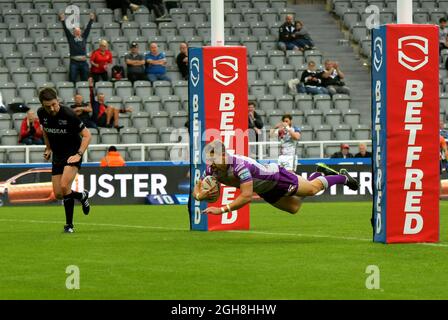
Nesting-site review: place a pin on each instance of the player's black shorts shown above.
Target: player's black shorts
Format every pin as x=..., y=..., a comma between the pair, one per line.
x=58, y=166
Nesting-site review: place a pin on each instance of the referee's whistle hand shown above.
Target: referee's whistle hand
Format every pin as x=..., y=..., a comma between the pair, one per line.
x=47, y=155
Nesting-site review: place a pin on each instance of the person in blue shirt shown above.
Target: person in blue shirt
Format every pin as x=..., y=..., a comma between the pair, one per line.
x=156, y=64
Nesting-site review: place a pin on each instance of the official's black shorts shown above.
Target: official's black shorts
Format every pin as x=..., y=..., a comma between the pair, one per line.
x=58, y=166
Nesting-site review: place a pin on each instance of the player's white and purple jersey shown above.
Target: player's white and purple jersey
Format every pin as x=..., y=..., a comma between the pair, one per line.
x=270, y=181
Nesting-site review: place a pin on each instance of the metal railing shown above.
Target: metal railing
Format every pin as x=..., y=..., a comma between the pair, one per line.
x=145, y=147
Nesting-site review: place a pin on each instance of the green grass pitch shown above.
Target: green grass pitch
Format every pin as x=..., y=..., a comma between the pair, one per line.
x=147, y=252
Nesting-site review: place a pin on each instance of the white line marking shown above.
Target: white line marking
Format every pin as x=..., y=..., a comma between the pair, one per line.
x=231, y=231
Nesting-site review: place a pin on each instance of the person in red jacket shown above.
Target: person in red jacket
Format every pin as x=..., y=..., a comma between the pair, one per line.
x=100, y=59
x=30, y=130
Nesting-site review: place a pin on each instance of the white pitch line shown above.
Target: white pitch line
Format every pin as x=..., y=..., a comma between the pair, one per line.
x=232, y=231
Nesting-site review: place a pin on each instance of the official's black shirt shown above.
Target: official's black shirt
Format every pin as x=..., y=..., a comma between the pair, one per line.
x=63, y=132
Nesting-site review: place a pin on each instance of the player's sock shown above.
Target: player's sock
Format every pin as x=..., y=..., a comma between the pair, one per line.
x=314, y=175
x=329, y=181
x=69, y=204
x=76, y=195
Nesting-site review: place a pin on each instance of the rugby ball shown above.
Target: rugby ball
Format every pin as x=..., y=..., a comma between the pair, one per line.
x=210, y=183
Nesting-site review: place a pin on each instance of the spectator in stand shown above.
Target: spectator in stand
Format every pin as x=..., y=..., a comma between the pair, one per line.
x=311, y=81
x=182, y=60
x=302, y=38
x=363, y=153
x=100, y=59
x=443, y=155
x=332, y=78
x=286, y=35
x=443, y=33
x=135, y=62
x=30, y=130
x=255, y=121
x=83, y=110
x=112, y=158
x=443, y=131
x=344, y=153
x=156, y=64
x=78, y=52
x=124, y=5
x=103, y=114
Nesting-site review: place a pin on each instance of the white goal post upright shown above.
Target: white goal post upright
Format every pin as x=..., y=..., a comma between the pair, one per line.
x=217, y=22
x=404, y=11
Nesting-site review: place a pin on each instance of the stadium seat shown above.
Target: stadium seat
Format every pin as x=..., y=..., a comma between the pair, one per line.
x=27, y=90
x=303, y=101
x=196, y=14
x=250, y=42
x=258, y=58
x=45, y=46
x=251, y=15
x=331, y=149
x=269, y=15
x=180, y=89
x=105, y=87
x=140, y=119
x=95, y=155
x=9, y=137
x=361, y=132
x=13, y=60
x=160, y=119
x=277, y=58
x=66, y=90
x=15, y=155
x=19, y=75
x=267, y=72
x=322, y=102
x=166, y=135
x=25, y=46
x=252, y=73
x=233, y=15
x=342, y=132
x=124, y=89
x=285, y=103
x=134, y=102
x=162, y=88
x=278, y=3
x=341, y=101
x=29, y=15
x=143, y=88
x=48, y=15
x=171, y=103
x=186, y=29
x=260, y=4
x=314, y=55
x=59, y=74
x=266, y=103
x=275, y=117
x=295, y=58
x=313, y=151
x=5, y=121
x=4, y=74
x=323, y=132
x=109, y=136
x=142, y=15
x=149, y=135
x=135, y=154
x=7, y=46
x=157, y=153
x=39, y=75
x=51, y=60
x=42, y=5
x=259, y=29
x=35, y=154
x=352, y=117
x=257, y=87
x=152, y=103
x=104, y=15
x=277, y=87
x=8, y=91
x=298, y=117
x=129, y=135
x=286, y=72
x=95, y=137
x=313, y=117
x=179, y=118
x=167, y=29
x=306, y=133
x=333, y=117
x=17, y=119
x=195, y=41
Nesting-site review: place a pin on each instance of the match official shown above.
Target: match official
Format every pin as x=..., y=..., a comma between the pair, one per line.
x=66, y=139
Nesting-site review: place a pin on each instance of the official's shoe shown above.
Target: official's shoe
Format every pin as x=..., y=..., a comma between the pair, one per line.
x=85, y=202
x=326, y=170
x=68, y=228
x=351, y=182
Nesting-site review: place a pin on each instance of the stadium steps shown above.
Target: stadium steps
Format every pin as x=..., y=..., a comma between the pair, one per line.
x=326, y=34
